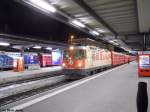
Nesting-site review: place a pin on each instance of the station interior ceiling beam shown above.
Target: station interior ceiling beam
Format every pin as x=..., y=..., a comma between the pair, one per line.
x=59, y=15
x=93, y=14
x=64, y=17
x=97, y=17
x=29, y=42
x=116, y=17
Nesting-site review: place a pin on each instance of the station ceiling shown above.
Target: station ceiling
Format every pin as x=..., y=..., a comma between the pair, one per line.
x=125, y=22
x=120, y=15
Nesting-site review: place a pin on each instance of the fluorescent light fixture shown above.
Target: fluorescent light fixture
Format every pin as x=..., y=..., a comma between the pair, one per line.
x=71, y=48
x=115, y=43
x=101, y=30
x=111, y=41
x=122, y=47
x=91, y=39
x=4, y=44
x=37, y=47
x=115, y=40
x=94, y=32
x=48, y=48
x=44, y=5
x=78, y=23
x=84, y=47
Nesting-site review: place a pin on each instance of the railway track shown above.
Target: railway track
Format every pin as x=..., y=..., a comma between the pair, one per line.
x=24, y=89
x=29, y=79
x=20, y=91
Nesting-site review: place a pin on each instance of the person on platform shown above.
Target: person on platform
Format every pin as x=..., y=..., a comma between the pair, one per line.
x=142, y=97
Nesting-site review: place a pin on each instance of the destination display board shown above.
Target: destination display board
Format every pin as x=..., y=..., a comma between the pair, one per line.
x=144, y=64
x=144, y=61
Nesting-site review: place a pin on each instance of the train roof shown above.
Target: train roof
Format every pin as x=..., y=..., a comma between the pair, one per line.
x=88, y=42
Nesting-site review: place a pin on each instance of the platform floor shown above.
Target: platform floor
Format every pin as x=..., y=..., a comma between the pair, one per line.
x=11, y=75
x=111, y=91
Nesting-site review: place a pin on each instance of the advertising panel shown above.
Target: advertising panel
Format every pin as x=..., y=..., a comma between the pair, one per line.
x=56, y=57
x=31, y=58
x=144, y=62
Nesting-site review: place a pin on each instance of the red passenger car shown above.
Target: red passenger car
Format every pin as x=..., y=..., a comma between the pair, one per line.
x=126, y=58
x=117, y=58
x=45, y=59
x=132, y=58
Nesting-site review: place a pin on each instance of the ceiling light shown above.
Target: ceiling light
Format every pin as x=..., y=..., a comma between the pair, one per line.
x=101, y=30
x=94, y=32
x=71, y=47
x=37, y=47
x=91, y=39
x=4, y=44
x=115, y=40
x=77, y=23
x=84, y=47
x=44, y=5
x=115, y=43
x=48, y=48
x=111, y=41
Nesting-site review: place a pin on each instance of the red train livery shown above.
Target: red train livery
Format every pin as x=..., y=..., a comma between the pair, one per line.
x=81, y=61
x=45, y=59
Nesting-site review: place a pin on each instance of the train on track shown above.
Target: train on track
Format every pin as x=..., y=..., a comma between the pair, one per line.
x=7, y=59
x=85, y=59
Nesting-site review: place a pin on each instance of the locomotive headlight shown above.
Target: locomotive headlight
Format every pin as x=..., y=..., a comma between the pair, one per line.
x=15, y=63
x=84, y=47
x=63, y=64
x=79, y=64
x=71, y=47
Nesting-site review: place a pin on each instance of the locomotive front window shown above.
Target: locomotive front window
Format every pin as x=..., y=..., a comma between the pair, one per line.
x=66, y=54
x=79, y=54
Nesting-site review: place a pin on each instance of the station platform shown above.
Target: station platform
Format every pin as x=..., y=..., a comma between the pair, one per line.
x=9, y=76
x=114, y=90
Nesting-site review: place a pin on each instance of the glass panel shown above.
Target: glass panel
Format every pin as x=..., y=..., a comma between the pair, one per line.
x=79, y=54
x=66, y=54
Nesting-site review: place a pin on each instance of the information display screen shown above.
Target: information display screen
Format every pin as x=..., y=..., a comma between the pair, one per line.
x=144, y=62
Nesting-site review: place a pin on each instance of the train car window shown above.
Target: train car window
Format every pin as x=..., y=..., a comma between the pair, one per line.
x=66, y=54
x=79, y=54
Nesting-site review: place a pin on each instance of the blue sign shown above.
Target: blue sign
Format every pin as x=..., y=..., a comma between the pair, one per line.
x=56, y=57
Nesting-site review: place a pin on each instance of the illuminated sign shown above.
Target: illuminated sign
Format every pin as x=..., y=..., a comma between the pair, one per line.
x=56, y=57
x=144, y=61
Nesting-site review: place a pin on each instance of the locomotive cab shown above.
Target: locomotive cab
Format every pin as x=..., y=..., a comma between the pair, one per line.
x=74, y=61
x=82, y=61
